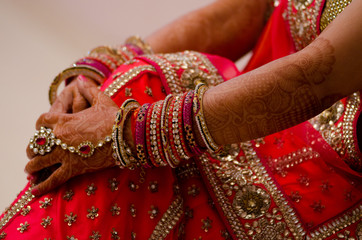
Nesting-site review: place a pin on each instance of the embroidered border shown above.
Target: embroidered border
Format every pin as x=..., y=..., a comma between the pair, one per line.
x=169, y=220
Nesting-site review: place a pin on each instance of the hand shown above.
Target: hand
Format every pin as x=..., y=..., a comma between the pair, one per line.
x=92, y=124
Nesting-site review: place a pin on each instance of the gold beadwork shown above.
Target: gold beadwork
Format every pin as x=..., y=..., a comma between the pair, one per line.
x=331, y=11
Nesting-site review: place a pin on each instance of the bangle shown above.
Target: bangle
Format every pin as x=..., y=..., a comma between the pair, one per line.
x=164, y=129
x=175, y=158
x=187, y=124
x=139, y=43
x=200, y=119
x=140, y=140
x=87, y=70
x=123, y=154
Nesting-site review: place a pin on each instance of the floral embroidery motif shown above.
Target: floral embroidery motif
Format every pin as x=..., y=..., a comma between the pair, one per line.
x=3, y=235
x=317, y=206
x=303, y=180
x=115, y=234
x=46, y=203
x=91, y=189
x=269, y=230
x=68, y=196
x=251, y=202
x=95, y=235
x=206, y=224
x=153, y=187
x=132, y=210
x=70, y=219
x=148, y=91
x=92, y=213
x=46, y=222
x=325, y=186
x=128, y=92
x=113, y=184
x=25, y=210
x=23, y=227
x=193, y=190
x=295, y=196
x=153, y=212
x=132, y=186
x=71, y=238
x=115, y=210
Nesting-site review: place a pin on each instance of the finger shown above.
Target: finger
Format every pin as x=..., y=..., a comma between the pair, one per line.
x=88, y=89
x=40, y=162
x=51, y=119
x=79, y=102
x=60, y=176
x=64, y=101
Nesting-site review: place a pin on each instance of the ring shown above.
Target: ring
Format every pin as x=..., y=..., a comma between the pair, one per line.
x=42, y=141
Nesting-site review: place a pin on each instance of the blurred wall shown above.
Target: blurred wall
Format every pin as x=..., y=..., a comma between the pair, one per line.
x=38, y=39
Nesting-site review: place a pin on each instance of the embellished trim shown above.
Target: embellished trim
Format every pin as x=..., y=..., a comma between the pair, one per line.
x=169, y=220
x=302, y=16
x=289, y=214
x=224, y=203
x=182, y=71
x=124, y=78
x=348, y=130
x=16, y=207
x=331, y=11
x=338, y=224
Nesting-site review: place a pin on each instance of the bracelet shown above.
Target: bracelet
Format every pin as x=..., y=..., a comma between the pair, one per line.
x=200, y=119
x=140, y=140
x=122, y=153
x=44, y=139
x=187, y=124
x=164, y=129
x=99, y=64
x=139, y=43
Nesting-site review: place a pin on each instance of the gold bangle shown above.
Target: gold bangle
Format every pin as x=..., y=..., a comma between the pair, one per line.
x=71, y=72
x=122, y=153
x=140, y=43
x=200, y=119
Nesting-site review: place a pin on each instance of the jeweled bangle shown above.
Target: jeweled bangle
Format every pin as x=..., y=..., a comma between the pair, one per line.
x=200, y=119
x=160, y=159
x=187, y=124
x=140, y=140
x=123, y=153
x=164, y=130
x=176, y=126
x=139, y=43
x=148, y=135
x=175, y=158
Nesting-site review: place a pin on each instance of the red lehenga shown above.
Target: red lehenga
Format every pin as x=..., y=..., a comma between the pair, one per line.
x=301, y=183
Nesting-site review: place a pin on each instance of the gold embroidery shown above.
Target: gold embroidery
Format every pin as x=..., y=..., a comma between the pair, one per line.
x=251, y=202
x=168, y=221
x=331, y=11
x=124, y=78
x=302, y=18
x=16, y=207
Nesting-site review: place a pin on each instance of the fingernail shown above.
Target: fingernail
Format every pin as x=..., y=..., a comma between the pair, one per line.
x=35, y=191
x=82, y=78
x=30, y=177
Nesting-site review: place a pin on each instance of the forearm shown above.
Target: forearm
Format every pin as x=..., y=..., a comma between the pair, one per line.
x=227, y=28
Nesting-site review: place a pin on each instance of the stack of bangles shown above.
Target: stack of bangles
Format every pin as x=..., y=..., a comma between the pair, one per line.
x=100, y=63
x=162, y=131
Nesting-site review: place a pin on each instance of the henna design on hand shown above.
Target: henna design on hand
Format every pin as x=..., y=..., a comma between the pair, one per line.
x=274, y=97
x=92, y=124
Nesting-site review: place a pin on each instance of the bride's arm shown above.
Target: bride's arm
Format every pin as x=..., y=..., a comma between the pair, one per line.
x=228, y=28
x=290, y=90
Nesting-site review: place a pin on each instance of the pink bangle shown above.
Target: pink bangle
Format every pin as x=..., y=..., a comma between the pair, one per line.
x=140, y=140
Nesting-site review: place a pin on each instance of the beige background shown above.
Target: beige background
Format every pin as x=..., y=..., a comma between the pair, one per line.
x=38, y=39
